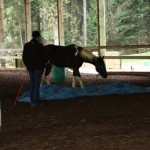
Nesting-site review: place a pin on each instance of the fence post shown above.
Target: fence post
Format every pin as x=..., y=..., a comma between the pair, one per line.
x=18, y=62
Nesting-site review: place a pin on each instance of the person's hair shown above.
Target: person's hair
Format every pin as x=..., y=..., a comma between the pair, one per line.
x=36, y=34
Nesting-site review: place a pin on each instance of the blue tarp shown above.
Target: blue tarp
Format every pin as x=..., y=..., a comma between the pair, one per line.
x=54, y=92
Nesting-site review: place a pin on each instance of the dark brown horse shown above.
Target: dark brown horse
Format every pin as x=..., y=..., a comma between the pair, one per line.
x=73, y=56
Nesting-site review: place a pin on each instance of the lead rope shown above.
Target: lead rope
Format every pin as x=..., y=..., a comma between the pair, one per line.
x=19, y=91
x=92, y=81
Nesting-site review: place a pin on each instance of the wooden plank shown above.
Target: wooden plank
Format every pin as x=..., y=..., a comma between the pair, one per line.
x=96, y=47
x=101, y=27
x=84, y=23
x=136, y=73
x=106, y=57
x=1, y=23
x=127, y=57
x=60, y=22
x=10, y=57
x=28, y=19
x=12, y=50
x=118, y=47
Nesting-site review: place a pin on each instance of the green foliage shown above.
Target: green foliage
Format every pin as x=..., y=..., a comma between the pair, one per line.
x=44, y=18
x=14, y=23
x=127, y=21
x=92, y=23
x=73, y=22
x=131, y=21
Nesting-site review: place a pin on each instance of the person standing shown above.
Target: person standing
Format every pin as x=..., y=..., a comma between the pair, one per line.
x=34, y=60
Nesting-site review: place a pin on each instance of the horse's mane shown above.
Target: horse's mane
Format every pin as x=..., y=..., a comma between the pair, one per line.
x=87, y=55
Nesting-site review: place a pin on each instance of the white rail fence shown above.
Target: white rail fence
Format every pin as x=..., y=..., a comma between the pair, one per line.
x=10, y=56
x=16, y=54
x=91, y=48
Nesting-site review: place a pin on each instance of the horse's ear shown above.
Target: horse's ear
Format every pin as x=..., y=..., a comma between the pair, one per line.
x=75, y=46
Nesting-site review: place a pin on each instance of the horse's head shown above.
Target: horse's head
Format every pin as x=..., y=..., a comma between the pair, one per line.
x=100, y=67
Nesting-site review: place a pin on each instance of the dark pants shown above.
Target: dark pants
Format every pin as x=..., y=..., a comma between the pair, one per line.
x=35, y=80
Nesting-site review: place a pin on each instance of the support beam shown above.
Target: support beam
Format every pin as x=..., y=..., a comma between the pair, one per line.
x=3, y=62
x=84, y=24
x=28, y=19
x=59, y=74
x=101, y=26
x=60, y=22
x=1, y=24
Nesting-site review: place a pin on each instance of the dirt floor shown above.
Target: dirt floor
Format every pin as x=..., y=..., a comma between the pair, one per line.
x=117, y=122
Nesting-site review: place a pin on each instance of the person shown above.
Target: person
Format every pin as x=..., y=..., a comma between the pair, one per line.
x=34, y=61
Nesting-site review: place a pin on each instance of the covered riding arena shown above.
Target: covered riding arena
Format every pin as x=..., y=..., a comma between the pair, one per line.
x=111, y=122
x=107, y=122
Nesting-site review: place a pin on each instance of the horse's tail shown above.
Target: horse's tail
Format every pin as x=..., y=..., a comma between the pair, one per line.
x=48, y=68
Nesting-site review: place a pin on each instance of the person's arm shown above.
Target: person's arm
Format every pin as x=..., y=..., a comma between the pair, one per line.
x=24, y=55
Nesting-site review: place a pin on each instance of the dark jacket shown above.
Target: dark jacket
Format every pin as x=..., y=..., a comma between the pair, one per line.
x=34, y=55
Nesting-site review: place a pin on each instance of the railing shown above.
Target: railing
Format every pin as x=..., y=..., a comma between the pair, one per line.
x=92, y=49
x=122, y=47
x=11, y=57
x=95, y=48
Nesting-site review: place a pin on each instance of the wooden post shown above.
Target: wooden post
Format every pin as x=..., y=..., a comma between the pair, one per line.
x=28, y=19
x=3, y=62
x=60, y=10
x=59, y=74
x=84, y=24
x=101, y=27
x=1, y=24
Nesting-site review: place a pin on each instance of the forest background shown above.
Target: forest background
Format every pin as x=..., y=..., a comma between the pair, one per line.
x=127, y=21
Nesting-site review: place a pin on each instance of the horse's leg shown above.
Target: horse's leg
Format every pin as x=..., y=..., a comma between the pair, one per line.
x=47, y=73
x=47, y=78
x=74, y=81
x=42, y=80
x=76, y=73
x=81, y=83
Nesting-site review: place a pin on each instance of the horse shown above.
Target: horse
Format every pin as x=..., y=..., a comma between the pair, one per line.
x=73, y=56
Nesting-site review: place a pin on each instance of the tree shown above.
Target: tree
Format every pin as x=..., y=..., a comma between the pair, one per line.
x=92, y=23
x=73, y=22
x=14, y=23
x=44, y=18
x=131, y=21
